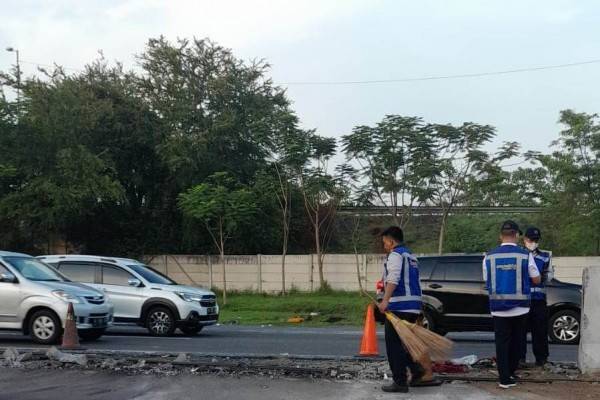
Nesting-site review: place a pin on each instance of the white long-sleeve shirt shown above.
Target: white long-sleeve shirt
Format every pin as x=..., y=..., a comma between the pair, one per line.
x=533, y=273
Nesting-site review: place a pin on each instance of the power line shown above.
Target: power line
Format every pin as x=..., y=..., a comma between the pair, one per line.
x=400, y=80
x=441, y=77
x=50, y=66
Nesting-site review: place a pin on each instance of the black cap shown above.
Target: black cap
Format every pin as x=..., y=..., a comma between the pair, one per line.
x=533, y=233
x=510, y=226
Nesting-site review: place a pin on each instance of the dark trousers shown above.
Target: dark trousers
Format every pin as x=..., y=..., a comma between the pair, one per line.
x=538, y=322
x=509, y=336
x=398, y=357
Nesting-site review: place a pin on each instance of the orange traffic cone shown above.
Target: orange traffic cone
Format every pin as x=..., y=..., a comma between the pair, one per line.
x=368, y=345
x=70, y=337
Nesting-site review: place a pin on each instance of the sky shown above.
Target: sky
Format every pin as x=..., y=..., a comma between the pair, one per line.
x=350, y=40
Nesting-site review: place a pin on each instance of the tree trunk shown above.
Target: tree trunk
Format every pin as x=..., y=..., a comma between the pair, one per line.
x=222, y=251
x=286, y=234
x=360, y=286
x=319, y=250
x=283, y=269
x=442, y=232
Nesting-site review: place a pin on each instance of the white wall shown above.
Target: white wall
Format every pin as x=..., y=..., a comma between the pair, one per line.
x=263, y=272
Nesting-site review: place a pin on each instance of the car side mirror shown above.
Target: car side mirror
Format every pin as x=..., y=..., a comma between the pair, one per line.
x=8, y=278
x=134, y=282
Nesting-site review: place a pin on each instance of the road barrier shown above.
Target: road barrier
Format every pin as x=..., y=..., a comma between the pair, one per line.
x=589, y=345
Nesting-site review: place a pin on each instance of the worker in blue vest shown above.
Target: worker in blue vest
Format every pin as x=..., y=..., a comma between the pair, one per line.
x=509, y=271
x=538, y=313
x=402, y=296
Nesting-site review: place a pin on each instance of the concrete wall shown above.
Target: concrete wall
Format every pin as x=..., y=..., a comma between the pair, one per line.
x=263, y=272
x=589, y=346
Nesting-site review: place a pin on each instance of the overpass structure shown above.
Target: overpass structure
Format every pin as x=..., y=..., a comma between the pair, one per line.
x=432, y=210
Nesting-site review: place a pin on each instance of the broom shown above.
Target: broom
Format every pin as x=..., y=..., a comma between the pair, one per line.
x=419, y=340
x=439, y=348
x=413, y=344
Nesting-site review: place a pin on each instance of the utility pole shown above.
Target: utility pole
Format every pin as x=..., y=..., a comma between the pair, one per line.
x=13, y=50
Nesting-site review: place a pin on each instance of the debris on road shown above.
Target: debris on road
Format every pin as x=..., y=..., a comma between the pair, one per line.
x=168, y=364
x=57, y=355
x=466, y=360
x=182, y=357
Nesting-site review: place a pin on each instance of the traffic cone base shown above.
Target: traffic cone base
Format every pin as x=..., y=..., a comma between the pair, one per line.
x=70, y=339
x=368, y=345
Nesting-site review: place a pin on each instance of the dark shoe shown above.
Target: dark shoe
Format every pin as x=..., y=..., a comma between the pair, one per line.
x=541, y=363
x=395, y=388
x=508, y=384
x=422, y=383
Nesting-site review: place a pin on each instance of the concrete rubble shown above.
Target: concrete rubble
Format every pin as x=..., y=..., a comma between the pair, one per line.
x=13, y=358
x=271, y=367
x=56, y=355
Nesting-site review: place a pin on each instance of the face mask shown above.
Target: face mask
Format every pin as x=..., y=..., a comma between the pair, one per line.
x=532, y=246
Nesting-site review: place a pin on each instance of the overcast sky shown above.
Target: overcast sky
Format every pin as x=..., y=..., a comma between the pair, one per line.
x=354, y=40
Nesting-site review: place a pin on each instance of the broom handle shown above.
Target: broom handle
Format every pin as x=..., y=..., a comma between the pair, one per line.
x=375, y=302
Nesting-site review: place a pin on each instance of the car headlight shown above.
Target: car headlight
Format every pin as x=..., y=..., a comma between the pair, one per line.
x=66, y=297
x=189, y=296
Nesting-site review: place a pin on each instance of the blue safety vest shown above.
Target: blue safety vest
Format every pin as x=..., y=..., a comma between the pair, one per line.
x=542, y=262
x=508, y=277
x=407, y=295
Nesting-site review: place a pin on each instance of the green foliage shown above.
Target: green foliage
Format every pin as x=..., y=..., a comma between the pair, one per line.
x=131, y=163
x=221, y=204
x=333, y=307
x=394, y=158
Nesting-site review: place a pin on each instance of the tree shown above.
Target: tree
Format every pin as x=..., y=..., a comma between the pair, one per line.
x=458, y=155
x=220, y=113
x=393, y=159
x=289, y=156
x=59, y=177
x=321, y=195
x=224, y=206
x=574, y=178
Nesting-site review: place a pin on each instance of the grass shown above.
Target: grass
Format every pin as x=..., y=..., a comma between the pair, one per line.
x=333, y=308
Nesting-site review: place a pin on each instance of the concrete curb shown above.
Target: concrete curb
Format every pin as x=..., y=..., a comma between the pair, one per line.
x=254, y=356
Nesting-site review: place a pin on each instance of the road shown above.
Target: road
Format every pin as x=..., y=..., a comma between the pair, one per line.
x=100, y=385
x=243, y=340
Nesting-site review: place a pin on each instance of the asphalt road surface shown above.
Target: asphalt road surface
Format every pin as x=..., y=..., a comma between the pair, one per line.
x=240, y=340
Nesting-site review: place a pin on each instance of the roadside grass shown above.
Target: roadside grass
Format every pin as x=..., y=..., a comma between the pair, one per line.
x=332, y=308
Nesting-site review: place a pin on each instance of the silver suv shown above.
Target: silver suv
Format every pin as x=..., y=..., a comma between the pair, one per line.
x=34, y=299
x=142, y=295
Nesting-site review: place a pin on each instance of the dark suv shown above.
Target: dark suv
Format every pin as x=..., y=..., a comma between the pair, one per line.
x=455, y=299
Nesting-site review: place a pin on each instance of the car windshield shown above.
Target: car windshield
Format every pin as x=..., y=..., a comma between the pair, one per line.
x=152, y=275
x=34, y=270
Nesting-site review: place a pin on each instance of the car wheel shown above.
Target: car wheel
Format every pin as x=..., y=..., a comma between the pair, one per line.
x=191, y=330
x=160, y=322
x=45, y=327
x=565, y=327
x=91, y=334
x=428, y=322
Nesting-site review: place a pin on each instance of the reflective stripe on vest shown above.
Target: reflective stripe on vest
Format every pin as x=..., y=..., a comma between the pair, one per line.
x=537, y=289
x=518, y=295
x=407, y=295
x=404, y=298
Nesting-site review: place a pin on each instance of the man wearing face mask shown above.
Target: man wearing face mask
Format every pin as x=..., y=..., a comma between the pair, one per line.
x=538, y=313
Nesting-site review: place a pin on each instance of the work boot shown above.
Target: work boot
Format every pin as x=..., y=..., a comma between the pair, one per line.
x=395, y=388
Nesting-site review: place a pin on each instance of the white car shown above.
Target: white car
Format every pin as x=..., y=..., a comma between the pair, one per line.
x=34, y=299
x=142, y=295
